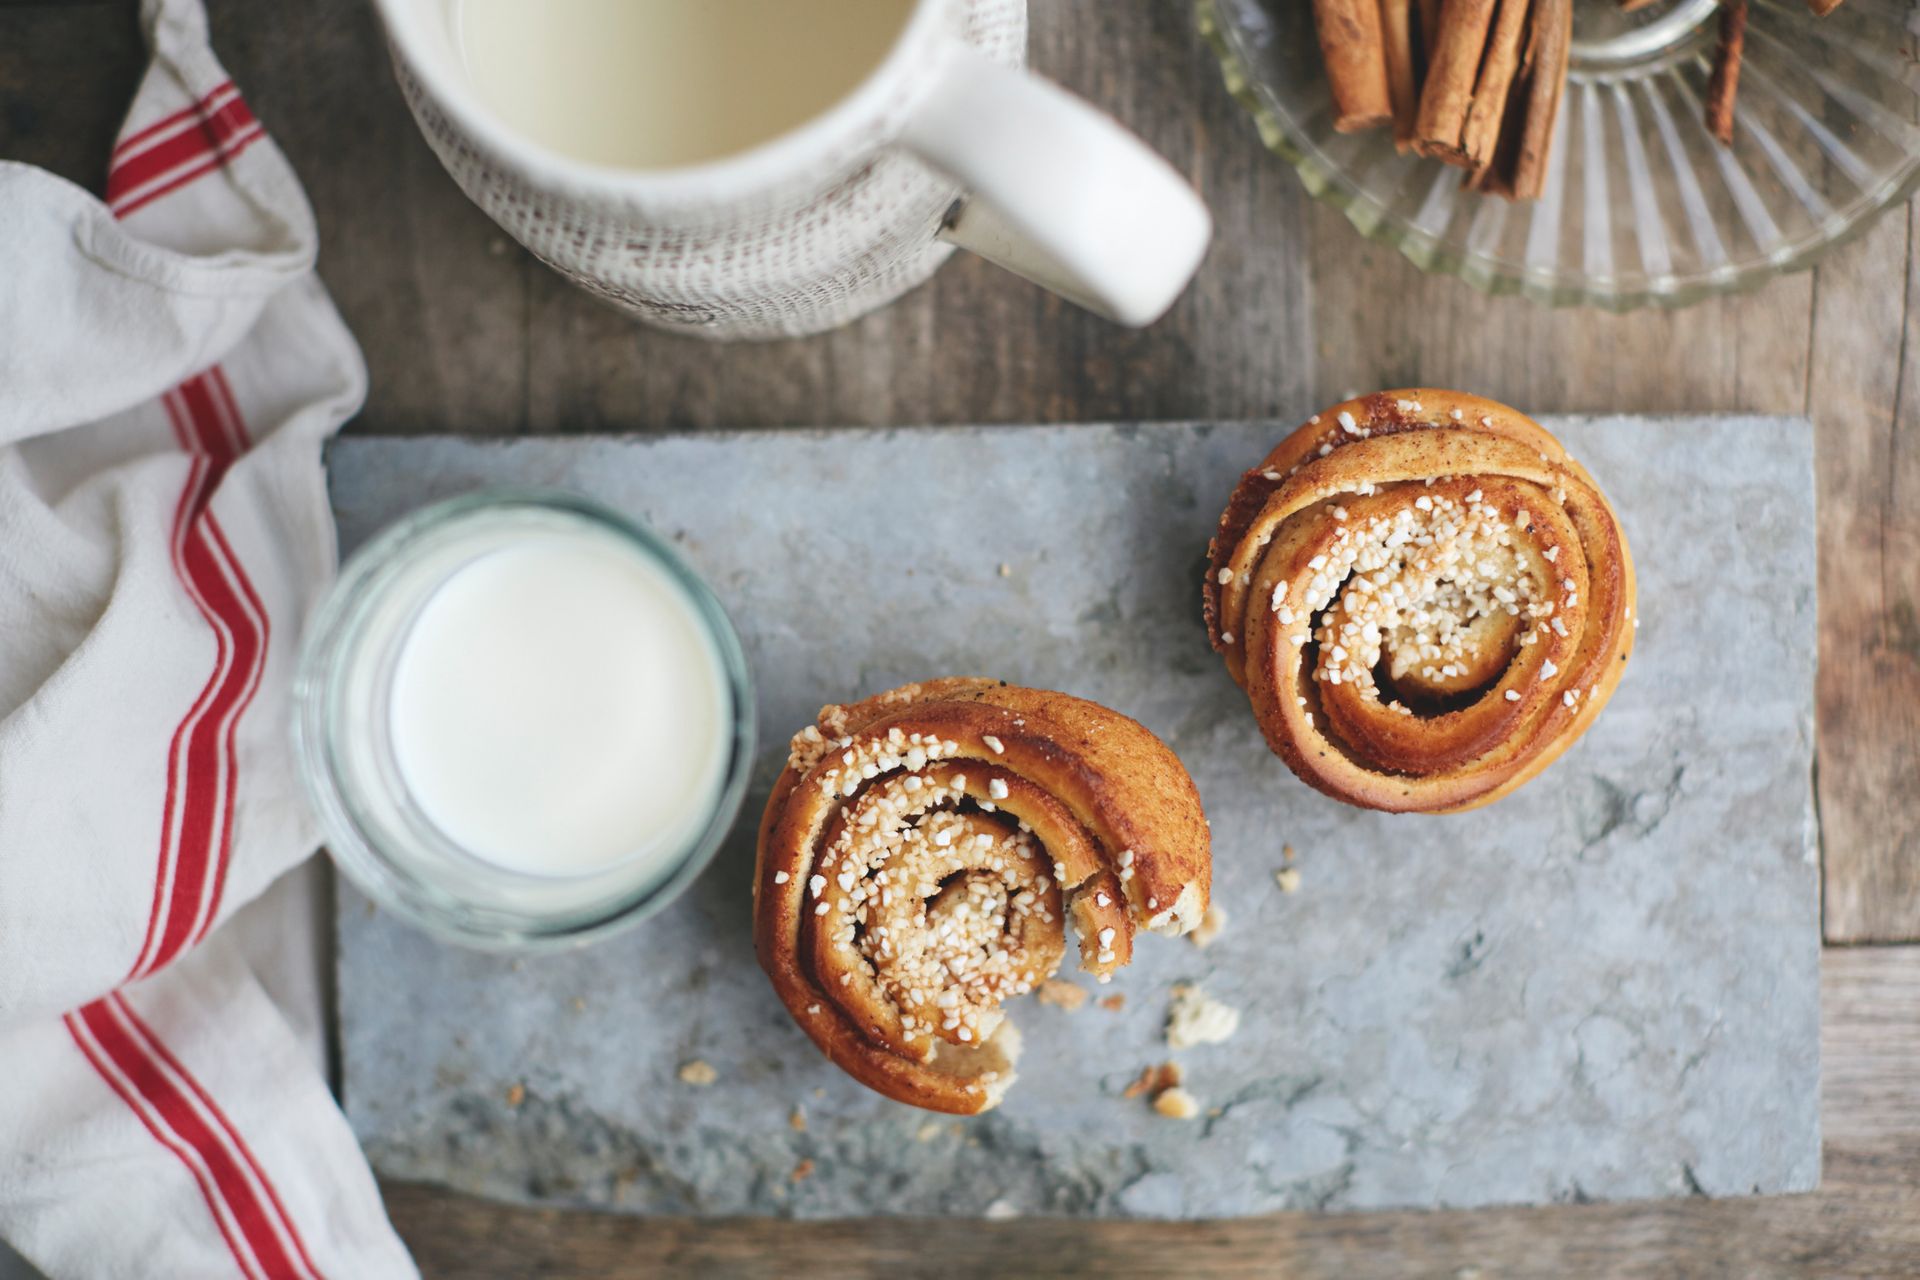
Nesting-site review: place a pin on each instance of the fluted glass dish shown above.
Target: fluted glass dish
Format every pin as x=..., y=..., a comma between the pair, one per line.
x=1642, y=206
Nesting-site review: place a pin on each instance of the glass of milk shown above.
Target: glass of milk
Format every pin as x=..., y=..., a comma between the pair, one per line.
x=523, y=720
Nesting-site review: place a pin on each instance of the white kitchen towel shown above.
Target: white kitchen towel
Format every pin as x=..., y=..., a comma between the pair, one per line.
x=169, y=369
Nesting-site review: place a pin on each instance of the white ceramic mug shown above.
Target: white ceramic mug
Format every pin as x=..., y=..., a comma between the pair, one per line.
x=946, y=142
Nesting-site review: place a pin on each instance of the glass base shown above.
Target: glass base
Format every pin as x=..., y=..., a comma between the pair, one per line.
x=1642, y=205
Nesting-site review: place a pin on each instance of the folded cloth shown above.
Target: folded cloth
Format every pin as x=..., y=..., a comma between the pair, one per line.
x=169, y=369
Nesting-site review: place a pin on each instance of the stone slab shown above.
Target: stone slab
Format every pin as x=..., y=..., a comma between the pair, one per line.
x=1602, y=987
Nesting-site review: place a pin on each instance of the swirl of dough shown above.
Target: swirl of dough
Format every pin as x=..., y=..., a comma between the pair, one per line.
x=1425, y=599
x=922, y=853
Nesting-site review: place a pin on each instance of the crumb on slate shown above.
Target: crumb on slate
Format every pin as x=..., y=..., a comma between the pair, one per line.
x=1288, y=878
x=1196, y=1018
x=699, y=1073
x=1176, y=1104
x=516, y=1095
x=798, y=1120
x=802, y=1171
x=1061, y=994
x=1154, y=1079
x=928, y=1132
x=1210, y=927
x=1115, y=1002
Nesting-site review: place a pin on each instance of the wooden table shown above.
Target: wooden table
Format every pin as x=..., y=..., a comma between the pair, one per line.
x=1292, y=310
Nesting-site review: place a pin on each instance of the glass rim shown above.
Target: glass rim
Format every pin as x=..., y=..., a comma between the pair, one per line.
x=359, y=855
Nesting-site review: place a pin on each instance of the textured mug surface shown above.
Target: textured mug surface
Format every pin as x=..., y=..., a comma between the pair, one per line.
x=801, y=236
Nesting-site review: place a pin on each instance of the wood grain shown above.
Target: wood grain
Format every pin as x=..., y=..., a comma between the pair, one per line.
x=1864, y=404
x=1864, y=1222
x=1381, y=322
x=435, y=292
x=67, y=73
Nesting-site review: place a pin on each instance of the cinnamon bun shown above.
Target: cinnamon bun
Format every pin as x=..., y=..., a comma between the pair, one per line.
x=1425, y=599
x=920, y=857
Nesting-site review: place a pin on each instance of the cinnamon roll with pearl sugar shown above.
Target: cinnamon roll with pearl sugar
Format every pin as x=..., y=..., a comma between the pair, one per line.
x=1425, y=599
x=922, y=854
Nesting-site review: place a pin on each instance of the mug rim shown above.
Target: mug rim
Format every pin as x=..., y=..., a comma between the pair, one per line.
x=722, y=180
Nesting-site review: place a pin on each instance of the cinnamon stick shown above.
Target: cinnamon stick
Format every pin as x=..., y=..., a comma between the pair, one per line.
x=1552, y=43
x=1429, y=29
x=1403, y=88
x=1453, y=65
x=1356, y=62
x=1724, y=86
x=1491, y=95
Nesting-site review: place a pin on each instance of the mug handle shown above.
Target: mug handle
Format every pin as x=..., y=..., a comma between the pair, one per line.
x=1059, y=193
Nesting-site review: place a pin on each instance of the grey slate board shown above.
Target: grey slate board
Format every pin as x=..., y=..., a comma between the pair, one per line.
x=1605, y=986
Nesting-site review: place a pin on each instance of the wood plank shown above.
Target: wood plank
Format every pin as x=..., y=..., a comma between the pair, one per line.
x=67, y=73
x=1381, y=321
x=975, y=344
x=1868, y=410
x=434, y=291
x=1870, y=1047
x=1864, y=1222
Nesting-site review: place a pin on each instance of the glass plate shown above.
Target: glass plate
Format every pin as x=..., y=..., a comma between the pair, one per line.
x=1642, y=206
